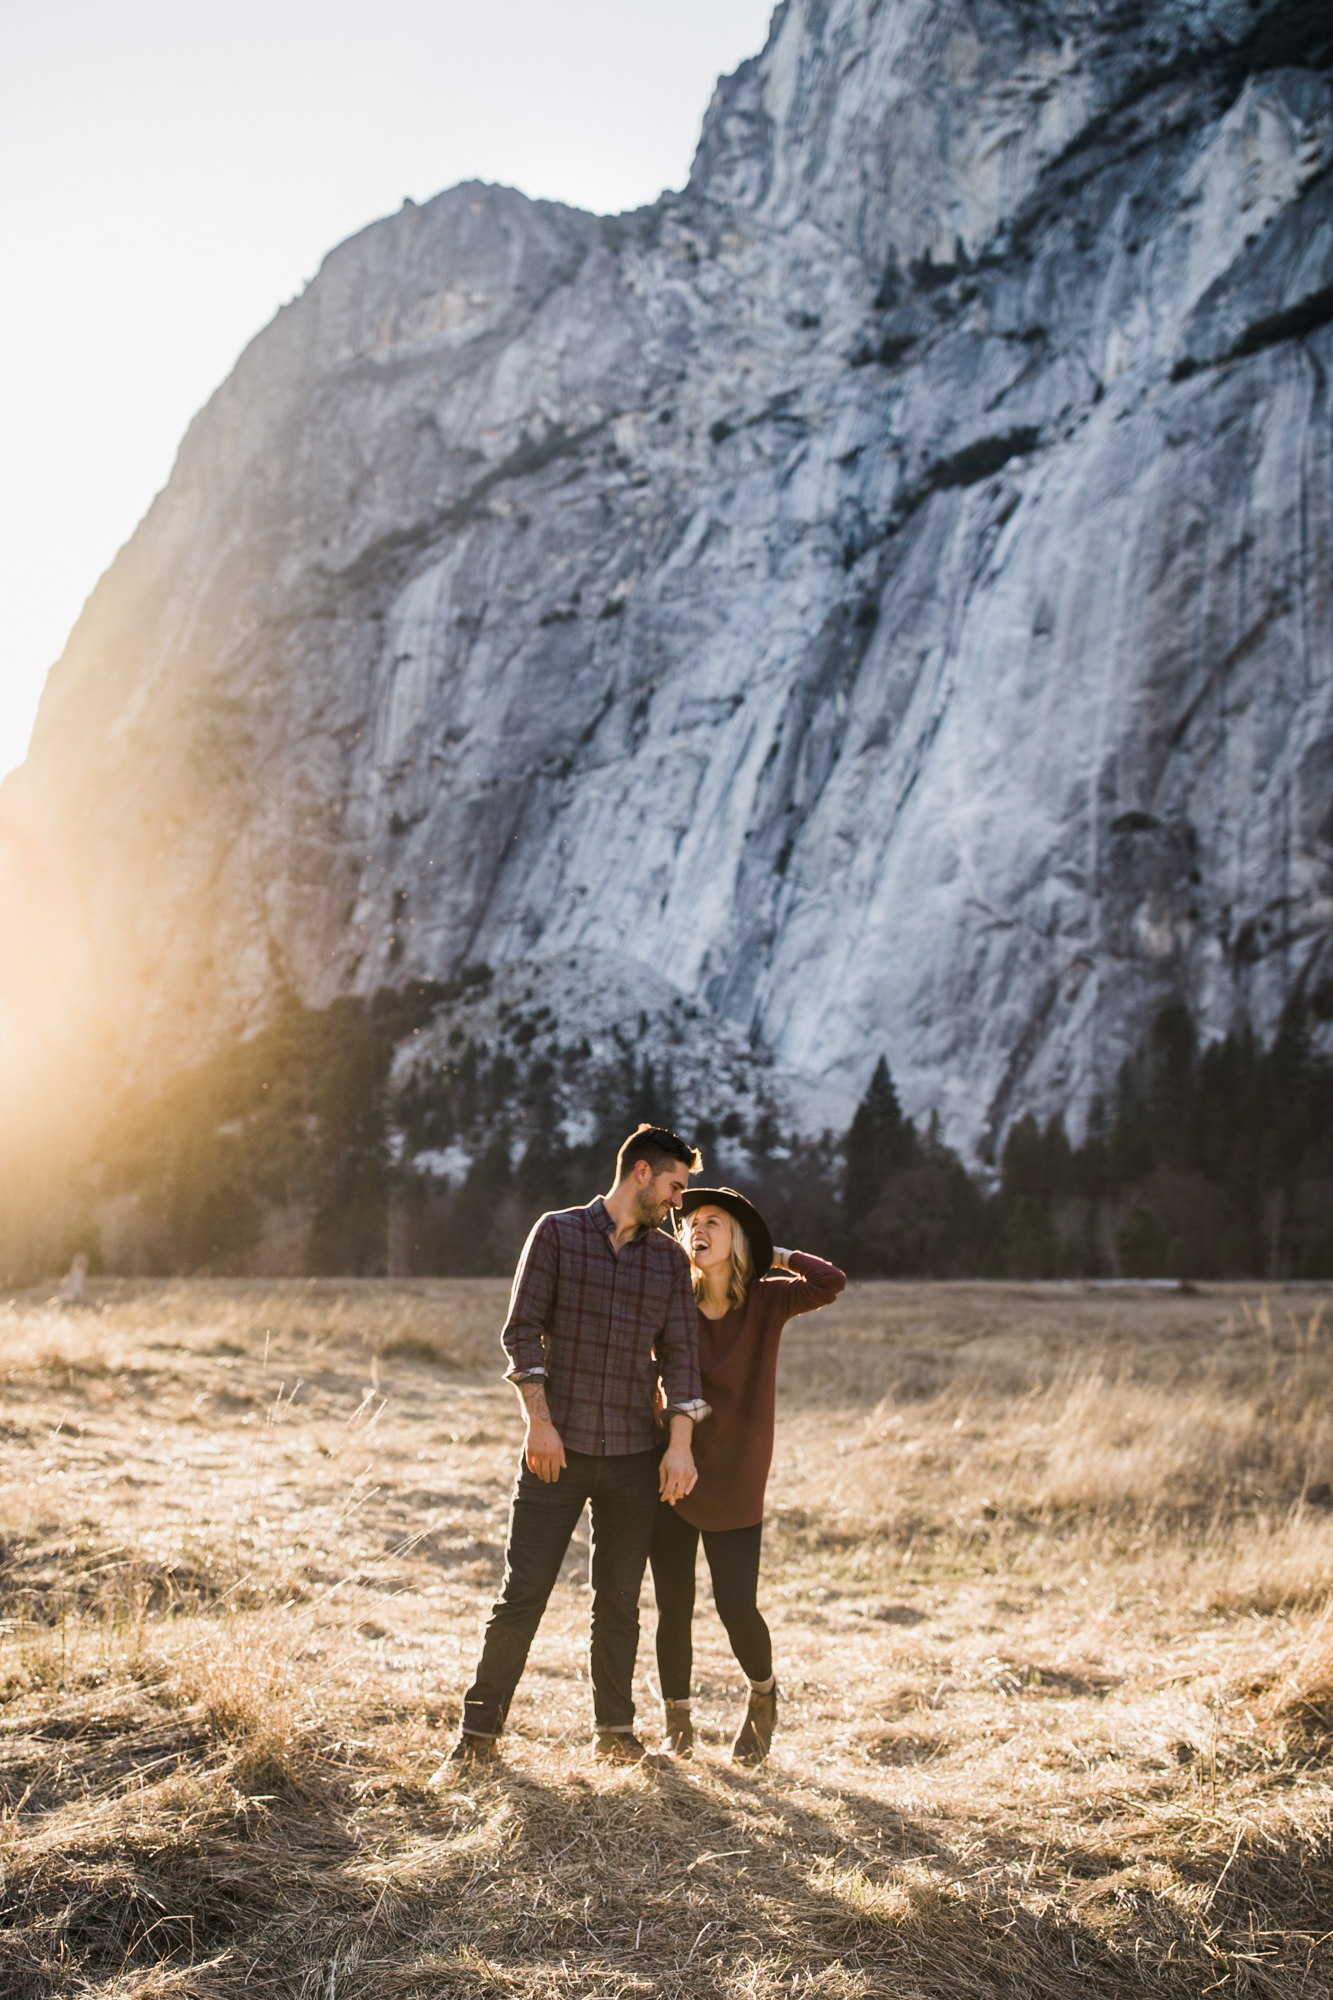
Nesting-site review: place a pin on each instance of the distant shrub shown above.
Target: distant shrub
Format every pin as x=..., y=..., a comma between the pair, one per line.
x=1141, y=1244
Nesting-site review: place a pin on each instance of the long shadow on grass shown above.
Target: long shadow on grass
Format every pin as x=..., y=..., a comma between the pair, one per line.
x=551, y=1876
x=665, y=1876
x=686, y=1880
x=1096, y=1920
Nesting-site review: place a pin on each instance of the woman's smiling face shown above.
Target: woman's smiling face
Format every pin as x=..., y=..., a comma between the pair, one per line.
x=709, y=1238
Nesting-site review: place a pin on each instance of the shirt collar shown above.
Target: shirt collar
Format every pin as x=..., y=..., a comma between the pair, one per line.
x=600, y=1216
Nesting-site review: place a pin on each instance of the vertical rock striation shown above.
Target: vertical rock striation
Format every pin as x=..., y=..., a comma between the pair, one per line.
x=884, y=588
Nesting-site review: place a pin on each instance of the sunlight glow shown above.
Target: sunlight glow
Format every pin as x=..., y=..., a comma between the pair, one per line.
x=175, y=173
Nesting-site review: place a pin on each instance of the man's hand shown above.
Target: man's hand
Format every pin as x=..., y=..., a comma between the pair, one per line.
x=676, y=1475
x=542, y=1448
x=544, y=1451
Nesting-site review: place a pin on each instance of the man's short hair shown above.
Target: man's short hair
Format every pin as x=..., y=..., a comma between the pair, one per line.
x=658, y=1146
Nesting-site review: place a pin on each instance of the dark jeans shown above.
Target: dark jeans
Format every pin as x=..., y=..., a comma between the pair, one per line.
x=623, y=1496
x=733, y=1563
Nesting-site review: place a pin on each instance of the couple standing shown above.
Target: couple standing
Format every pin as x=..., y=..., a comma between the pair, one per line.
x=616, y=1334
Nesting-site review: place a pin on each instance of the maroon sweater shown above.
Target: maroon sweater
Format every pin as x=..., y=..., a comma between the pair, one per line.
x=738, y=1363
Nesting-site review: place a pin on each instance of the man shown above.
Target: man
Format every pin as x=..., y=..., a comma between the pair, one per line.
x=601, y=1307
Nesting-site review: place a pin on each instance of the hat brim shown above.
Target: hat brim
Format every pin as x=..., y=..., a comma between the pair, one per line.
x=751, y=1221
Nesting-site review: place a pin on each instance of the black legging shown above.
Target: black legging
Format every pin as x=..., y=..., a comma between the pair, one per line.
x=733, y=1563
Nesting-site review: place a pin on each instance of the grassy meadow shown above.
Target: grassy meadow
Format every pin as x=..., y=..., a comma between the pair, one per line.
x=1049, y=1571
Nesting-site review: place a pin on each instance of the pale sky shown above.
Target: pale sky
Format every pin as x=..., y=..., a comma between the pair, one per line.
x=174, y=171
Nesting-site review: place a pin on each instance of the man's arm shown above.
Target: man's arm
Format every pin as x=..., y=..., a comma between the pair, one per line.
x=530, y=1306
x=542, y=1448
x=531, y=1302
x=678, y=1348
x=678, y=1361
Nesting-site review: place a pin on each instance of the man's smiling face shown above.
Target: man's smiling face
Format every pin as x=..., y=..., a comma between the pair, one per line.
x=660, y=1193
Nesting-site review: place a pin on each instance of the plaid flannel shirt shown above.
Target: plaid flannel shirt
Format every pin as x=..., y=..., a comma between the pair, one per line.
x=602, y=1328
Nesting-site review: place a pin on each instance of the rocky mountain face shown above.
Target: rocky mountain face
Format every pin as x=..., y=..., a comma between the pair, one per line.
x=883, y=591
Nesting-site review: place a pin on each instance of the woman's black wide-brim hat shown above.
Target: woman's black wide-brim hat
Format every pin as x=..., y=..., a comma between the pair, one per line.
x=745, y=1212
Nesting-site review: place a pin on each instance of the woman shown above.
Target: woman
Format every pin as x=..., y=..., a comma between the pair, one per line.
x=744, y=1303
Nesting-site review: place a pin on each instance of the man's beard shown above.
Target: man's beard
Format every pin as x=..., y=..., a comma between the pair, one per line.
x=648, y=1210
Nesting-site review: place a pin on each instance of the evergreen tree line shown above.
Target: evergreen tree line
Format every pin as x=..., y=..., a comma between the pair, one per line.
x=293, y=1120
x=1212, y=1162
x=526, y=1165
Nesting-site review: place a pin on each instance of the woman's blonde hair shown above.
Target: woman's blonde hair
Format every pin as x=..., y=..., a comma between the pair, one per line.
x=742, y=1262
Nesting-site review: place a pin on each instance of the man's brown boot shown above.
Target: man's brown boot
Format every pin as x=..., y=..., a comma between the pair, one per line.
x=754, y=1738
x=468, y=1754
x=618, y=1746
x=678, y=1740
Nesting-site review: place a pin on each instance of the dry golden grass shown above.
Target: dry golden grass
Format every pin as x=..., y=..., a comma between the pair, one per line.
x=1050, y=1576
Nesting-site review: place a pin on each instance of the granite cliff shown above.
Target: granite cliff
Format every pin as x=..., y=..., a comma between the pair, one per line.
x=883, y=589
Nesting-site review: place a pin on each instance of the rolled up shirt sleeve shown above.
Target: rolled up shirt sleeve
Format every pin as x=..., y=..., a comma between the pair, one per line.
x=530, y=1305
x=678, y=1350
x=696, y=1412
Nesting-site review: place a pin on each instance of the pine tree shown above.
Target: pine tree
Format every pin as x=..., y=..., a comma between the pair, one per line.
x=880, y=1142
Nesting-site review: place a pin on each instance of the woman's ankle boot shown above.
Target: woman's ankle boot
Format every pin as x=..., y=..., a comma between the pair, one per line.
x=679, y=1738
x=754, y=1738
